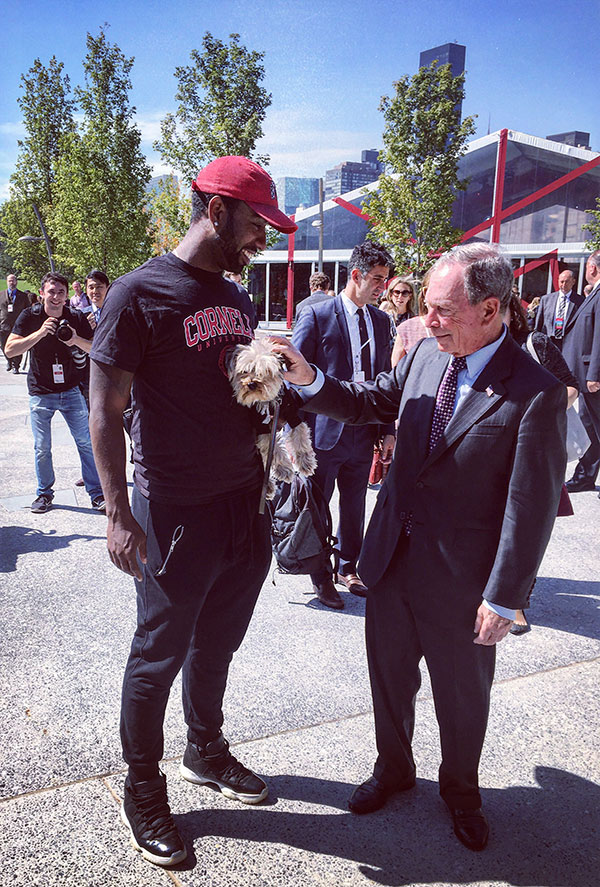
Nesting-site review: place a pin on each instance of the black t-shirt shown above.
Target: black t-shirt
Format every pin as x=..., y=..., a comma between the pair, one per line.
x=170, y=325
x=50, y=350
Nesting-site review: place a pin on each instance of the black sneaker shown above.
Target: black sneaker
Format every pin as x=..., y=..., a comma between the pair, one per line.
x=146, y=812
x=41, y=504
x=99, y=504
x=215, y=765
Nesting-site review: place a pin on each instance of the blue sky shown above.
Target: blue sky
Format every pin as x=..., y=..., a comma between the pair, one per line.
x=327, y=63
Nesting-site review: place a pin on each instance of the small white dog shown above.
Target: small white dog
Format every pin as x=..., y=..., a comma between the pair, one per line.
x=256, y=375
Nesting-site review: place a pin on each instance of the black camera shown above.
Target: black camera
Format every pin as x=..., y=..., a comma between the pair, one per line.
x=63, y=331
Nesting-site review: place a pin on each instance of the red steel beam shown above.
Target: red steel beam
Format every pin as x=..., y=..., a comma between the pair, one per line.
x=551, y=257
x=356, y=210
x=499, y=190
x=290, y=278
x=537, y=195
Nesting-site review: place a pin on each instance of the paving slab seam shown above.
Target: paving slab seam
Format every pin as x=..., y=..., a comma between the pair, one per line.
x=289, y=731
x=552, y=668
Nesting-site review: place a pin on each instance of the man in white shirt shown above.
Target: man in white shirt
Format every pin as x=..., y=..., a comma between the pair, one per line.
x=348, y=338
x=557, y=311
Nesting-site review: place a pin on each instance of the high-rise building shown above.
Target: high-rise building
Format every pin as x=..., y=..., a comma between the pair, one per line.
x=293, y=192
x=575, y=138
x=349, y=175
x=452, y=54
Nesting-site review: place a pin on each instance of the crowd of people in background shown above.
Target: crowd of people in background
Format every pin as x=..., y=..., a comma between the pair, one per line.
x=404, y=301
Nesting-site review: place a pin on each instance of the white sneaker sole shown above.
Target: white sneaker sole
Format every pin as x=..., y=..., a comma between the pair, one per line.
x=226, y=790
x=179, y=856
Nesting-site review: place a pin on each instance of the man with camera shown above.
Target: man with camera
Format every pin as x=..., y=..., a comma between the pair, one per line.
x=55, y=334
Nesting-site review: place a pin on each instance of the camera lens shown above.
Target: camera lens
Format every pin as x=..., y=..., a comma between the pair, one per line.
x=64, y=332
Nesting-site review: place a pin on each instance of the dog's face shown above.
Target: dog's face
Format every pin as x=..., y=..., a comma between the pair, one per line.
x=255, y=373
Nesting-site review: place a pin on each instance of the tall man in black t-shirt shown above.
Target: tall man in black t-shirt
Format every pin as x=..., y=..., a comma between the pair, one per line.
x=193, y=537
x=53, y=380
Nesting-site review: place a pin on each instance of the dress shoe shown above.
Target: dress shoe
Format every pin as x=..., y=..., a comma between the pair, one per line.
x=353, y=583
x=470, y=827
x=373, y=794
x=328, y=596
x=520, y=627
x=580, y=486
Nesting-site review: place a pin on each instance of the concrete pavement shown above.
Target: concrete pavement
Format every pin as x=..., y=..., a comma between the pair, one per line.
x=297, y=710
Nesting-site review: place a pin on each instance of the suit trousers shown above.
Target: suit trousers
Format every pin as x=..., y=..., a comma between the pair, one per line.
x=588, y=466
x=11, y=361
x=404, y=625
x=348, y=463
x=193, y=616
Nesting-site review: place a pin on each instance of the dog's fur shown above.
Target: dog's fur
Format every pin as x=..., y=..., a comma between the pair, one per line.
x=256, y=375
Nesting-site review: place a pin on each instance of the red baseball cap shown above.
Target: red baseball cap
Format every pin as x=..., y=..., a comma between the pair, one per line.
x=245, y=180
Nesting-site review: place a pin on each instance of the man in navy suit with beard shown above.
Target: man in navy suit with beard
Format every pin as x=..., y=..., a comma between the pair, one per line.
x=348, y=338
x=461, y=523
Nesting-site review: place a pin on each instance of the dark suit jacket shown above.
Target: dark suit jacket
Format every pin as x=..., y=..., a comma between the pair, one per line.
x=582, y=349
x=483, y=502
x=544, y=316
x=8, y=318
x=313, y=299
x=321, y=334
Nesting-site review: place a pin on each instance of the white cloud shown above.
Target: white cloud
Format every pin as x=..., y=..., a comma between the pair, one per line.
x=13, y=128
x=149, y=126
x=300, y=142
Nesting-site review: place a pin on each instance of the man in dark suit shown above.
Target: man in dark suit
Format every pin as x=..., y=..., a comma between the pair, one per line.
x=557, y=311
x=318, y=284
x=461, y=522
x=582, y=353
x=12, y=302
x=350, y=339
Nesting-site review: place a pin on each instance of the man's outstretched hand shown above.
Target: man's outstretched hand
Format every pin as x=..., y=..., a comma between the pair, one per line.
x=299, y=371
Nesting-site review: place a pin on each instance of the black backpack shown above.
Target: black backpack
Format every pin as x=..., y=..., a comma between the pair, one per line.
x=301, y=528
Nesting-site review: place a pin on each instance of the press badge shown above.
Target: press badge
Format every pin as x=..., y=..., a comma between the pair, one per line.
x=359, y=376
x=10, y=307
x=58, y=373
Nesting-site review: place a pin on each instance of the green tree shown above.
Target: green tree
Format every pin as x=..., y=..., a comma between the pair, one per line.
x=593, y=226
x=100, y=218
x=423, y=140
x=170, y=211
x=47, y=111
x=221, y=107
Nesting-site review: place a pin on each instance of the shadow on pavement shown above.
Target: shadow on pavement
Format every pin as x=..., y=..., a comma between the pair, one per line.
x=567, y=605
x=22, y=540
x=539, y=835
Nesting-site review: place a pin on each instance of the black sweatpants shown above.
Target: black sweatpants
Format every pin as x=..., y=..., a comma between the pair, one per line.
x=194, y=616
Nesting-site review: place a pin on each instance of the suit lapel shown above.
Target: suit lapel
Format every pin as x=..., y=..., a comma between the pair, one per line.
x=381, y=336
x=432, y=373
x=340, y=316
x=487, y=390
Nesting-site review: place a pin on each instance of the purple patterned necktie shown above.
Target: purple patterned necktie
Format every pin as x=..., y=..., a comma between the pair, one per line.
x=444, y=402
x=444, y=407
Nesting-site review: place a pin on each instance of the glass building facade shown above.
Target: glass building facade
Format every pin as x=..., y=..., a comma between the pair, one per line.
x=552, y=221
